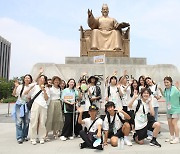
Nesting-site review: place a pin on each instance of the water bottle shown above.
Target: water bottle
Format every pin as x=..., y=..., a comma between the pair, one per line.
x=119, y=143
x=122, y=143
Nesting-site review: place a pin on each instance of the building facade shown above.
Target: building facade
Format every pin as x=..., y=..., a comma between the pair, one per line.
x=5, y=52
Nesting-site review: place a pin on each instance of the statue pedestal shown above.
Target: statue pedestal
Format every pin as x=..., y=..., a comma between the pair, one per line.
x=107, y=53
x=108, y=60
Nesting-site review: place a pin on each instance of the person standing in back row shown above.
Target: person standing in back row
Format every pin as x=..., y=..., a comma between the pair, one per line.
x=172, y=96
x=94, y=91
x=21, y=113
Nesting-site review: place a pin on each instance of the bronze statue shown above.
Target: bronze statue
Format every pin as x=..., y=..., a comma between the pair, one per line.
x=106, y=31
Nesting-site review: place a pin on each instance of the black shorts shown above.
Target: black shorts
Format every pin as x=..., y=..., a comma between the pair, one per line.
x=119, y=133
x=131, y=114
x=142, y=133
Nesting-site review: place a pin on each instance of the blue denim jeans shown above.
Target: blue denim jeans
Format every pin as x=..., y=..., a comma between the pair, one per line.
x=156, y=118
x=22, y=124
x=156, y=113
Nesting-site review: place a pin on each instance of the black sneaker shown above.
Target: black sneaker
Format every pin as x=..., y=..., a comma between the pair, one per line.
x=26, y=139
x=134, y=136
x=82, y=145
x=154, y=143
x=20, y=141
x=100, y=147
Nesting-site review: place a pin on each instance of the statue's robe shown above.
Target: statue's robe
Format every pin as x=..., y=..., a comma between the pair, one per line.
x=104, y=34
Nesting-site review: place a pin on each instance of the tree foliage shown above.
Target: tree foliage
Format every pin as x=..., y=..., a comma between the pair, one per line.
x=6, y=88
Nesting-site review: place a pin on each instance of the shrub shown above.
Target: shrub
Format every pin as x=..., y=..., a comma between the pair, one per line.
x=9, y=100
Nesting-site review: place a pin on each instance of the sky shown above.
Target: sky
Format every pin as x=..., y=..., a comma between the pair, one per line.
x=47, y=31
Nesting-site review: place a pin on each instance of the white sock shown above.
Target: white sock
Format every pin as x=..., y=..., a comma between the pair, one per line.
x=125, y=137
x=177, y=138
x=172, y=137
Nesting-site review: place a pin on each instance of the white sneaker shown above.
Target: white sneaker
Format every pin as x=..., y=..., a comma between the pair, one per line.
x=42, y=141
x=127, y=142
x=175, y=141
x=169, y=140
x=33, y=141
x=71, y=137
x=63, y=138
x=149, y=138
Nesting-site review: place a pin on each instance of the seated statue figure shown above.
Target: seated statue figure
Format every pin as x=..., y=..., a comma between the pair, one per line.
x=106, y=31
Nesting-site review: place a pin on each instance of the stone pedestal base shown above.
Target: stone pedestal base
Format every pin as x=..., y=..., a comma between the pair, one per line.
x=108, y=60
x=108, y=53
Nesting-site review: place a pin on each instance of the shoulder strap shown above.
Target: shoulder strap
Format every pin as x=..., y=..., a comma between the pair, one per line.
x=138, y=106
x=156, y=88
x=123, y=121
x=92, y=124
x=108, y=90
x=37, y=94
x=109, y=121
x=22, y=90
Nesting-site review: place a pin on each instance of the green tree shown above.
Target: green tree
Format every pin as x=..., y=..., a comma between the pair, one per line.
x=6, y=88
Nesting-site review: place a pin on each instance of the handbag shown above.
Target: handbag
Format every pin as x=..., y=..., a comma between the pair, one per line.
x=91, y=134
x=69, y=107
x=30, y=103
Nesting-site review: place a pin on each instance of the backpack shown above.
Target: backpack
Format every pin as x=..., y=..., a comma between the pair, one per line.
x=111, y=124
x=109, y=93
x=138, y=106
x=149, y=116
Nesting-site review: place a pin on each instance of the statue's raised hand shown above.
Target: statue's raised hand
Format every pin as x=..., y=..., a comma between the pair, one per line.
x=89, y=13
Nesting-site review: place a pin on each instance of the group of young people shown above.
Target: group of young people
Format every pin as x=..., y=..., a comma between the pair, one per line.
x=71, y=110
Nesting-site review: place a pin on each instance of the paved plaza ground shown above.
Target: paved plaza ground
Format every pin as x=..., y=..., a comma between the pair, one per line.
x=9, y=145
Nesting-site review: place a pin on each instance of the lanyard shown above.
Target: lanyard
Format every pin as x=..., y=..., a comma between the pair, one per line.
x=168, y=96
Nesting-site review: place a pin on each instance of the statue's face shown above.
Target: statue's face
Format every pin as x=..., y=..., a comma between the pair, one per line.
x=105, y=11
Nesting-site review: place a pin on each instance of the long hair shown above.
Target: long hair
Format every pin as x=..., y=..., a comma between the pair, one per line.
x=45, y=78
x=69, y=81
x=143, y=78
x=146, y=85
x=132, y=88
x=23, y=83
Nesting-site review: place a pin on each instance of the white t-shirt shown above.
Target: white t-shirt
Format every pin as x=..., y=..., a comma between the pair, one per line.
x=117, y=122
x=126, y=95
x=92, y=90
x=54, y=93
x=23, y=98
x=88, y=123
x=141, y=118
x=155, y=92
x=40, y=98
x=114, y=96
x=85, y=98
x=140, y=88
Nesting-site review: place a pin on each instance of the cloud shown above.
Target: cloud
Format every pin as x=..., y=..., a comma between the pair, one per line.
x=30, y=45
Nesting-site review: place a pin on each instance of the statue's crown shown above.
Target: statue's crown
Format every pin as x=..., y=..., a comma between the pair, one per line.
x=104, y=5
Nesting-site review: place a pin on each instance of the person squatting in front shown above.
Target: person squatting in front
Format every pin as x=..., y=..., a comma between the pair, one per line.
x=144, y=117
x=114, y=125
x=93, y=125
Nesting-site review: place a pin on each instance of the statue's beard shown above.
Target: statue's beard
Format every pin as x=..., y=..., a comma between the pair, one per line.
x=105, y=14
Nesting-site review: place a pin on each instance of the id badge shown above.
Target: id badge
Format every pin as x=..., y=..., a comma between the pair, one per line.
x=114, y=130
x=141, y=118
x=169, y=106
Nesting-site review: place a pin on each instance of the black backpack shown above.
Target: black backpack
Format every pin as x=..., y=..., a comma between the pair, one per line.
x=109, y=93
x=111, y=124
x=138, y=106
x=149, y=116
